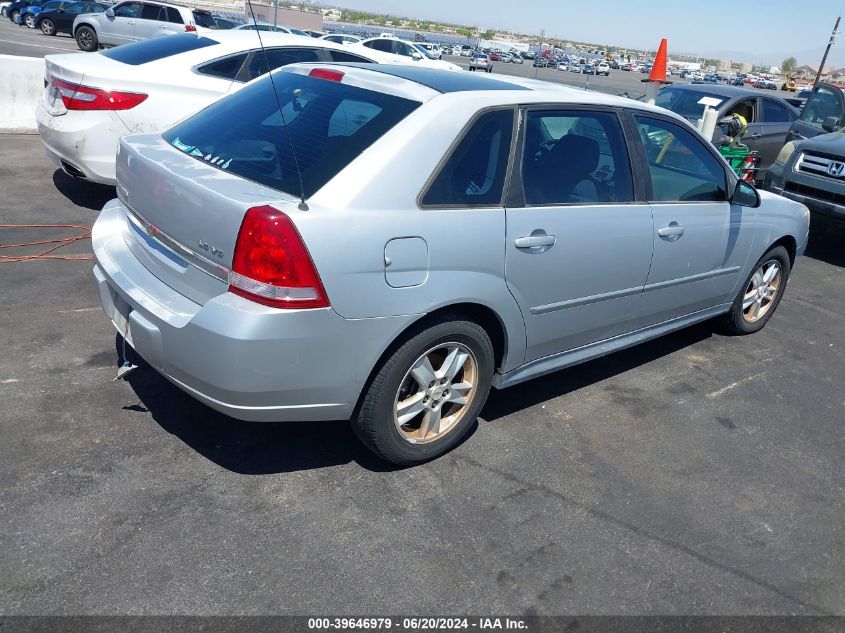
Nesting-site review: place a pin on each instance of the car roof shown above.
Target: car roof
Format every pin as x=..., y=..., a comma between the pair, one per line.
x=442, y=81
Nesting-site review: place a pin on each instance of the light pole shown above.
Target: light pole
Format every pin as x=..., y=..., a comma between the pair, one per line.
x=826, y=51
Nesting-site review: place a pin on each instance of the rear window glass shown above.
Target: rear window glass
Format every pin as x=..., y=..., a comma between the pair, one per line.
x=328, y=125
x=157, y=48
x=204, y=19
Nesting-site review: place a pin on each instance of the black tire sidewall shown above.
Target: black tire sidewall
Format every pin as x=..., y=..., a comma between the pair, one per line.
x=374, y=421
x=93, y=36
x=736, y=321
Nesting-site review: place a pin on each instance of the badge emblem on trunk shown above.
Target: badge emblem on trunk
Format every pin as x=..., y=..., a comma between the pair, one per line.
x=210, y=248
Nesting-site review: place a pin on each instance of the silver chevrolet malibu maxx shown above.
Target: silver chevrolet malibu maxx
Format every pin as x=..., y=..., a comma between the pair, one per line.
x=387, y=243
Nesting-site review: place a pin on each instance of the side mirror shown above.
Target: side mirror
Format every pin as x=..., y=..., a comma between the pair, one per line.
x=109, y=13
x=830, y=124
x=416, y=57
x=745, y=195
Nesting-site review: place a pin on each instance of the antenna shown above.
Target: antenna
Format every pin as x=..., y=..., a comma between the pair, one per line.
x=303, y=206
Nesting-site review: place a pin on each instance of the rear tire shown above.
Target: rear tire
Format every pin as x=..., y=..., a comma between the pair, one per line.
x=760, y=294
x=427, y=394
x=16, y=17
x=86, y=39
x=48, y=27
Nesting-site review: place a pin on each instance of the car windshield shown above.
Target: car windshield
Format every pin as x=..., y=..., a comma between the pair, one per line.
x=328, y=123
x=687, y=103
x=204, y=19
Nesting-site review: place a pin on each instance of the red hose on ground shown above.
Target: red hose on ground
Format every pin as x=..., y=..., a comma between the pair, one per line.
x=59, y=242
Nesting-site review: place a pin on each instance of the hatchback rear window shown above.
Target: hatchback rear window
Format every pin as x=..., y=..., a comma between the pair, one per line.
x=328, y=125
x=204, y=19
x=157, y=48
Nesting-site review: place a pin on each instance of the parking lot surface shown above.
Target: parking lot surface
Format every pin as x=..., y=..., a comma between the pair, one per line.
x=698, y=473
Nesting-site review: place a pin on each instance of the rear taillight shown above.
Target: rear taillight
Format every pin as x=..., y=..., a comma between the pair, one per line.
x=78, y=97
x=190, y=28
x=272, y=265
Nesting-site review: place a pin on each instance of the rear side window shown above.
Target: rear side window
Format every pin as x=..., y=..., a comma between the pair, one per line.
x=774, y=112
x=474, y=175
x=277, y=57
x=174, y=16
x=226, y=68
x=153, y=12
x=328, y=125
x=681, y=167
x=821, y=104
x=575, y=157
x=157, y=48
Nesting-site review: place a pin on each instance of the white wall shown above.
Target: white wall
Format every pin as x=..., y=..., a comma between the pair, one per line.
x=21, y=85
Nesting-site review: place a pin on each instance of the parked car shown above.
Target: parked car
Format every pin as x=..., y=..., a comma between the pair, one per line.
x=480, y=61
x=575, y=68
x=277, y=28
x=588, y=69
x=13, y=11
x=410, y=53
x=93, y=100
x=433, y=49
x=223, y=262
x=563, y=66
x=4, y=8
x=737, y=82
x=61, y=20
x=466, y=50
x=30, y=14
x=552, y=63
x=812, y=172
x=495, y=56
x=515, y=58
x=540, y=62
x=603, y=68
x=342, y=38
x=823, y=112
x=133, y=21
x=769, y=117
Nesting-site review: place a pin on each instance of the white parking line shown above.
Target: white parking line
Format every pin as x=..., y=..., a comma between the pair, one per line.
x=55, y=48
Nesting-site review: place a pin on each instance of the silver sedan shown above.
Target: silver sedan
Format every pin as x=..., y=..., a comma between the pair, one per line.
x=386, y=245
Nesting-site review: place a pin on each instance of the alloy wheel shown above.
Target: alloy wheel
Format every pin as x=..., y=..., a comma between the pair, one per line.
x=47, y=27
x=431, y=402
x=761, y=291
x=30, y=21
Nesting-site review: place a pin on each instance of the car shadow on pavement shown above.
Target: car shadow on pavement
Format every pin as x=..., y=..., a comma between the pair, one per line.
x=248, y=448
x=261, y=448
x=560, y=383
x=82, y=193
x=827, y=241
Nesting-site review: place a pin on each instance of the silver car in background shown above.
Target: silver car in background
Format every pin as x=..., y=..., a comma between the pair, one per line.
x=480, y=61
x=387, y=243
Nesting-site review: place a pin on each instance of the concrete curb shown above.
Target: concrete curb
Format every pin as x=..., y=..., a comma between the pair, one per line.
x=21, y=85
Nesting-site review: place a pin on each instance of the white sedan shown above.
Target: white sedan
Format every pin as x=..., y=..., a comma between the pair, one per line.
x=405, y=49
x=90, y=101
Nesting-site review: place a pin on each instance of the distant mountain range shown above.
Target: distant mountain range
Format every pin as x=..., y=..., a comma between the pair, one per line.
x=809, y=56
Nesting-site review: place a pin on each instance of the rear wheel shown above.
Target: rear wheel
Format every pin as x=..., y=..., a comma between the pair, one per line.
x=16, y=17
x=427, y=394
x=760, y=295
x=48, y=27
x=86, y=39
x=4, y=12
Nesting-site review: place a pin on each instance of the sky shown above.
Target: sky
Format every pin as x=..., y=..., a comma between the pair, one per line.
x=767, y=32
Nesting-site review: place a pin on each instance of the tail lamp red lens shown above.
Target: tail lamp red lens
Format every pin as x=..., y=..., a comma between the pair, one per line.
x=79, y=97
x=190, y=28
x=326, y=73
x=272, y=265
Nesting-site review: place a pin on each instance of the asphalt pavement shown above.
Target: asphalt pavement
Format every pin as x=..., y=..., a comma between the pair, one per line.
x=22, y=41
x=696, y=474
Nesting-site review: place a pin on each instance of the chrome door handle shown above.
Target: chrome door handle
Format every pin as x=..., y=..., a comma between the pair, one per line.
x=673, y=230
x=756, y=135
x=534, y=241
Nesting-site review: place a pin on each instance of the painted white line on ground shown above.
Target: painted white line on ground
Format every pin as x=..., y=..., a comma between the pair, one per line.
x=36, y=45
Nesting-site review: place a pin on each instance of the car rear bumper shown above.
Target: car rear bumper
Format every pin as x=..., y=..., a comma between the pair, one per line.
x=241, y=358
x=83, y=144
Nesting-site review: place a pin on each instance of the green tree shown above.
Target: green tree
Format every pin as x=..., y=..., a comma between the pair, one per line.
x=489, y=34
x=788, y=66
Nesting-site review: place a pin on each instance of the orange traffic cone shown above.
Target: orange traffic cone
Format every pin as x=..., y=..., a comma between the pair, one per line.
x=658, y=69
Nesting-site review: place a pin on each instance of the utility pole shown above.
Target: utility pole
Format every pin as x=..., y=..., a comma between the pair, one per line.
x=275, y=13
x=826, y=51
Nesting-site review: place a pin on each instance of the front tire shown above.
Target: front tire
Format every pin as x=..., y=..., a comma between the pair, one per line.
x=427, y=394
x=29, y=21
x=48, y=27
x=86, y=39
x=761, y=293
